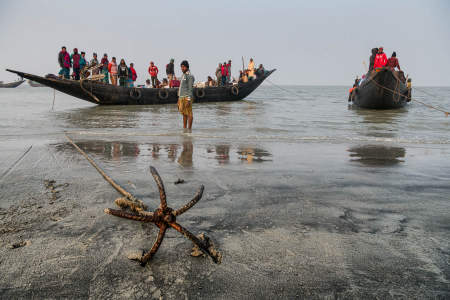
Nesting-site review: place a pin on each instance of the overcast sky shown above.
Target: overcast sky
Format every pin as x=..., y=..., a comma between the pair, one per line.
x=309, y=42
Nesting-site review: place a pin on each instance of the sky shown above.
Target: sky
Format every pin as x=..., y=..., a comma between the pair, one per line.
x=308, y=42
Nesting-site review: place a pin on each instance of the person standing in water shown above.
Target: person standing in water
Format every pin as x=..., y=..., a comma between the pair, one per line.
x=186, y=95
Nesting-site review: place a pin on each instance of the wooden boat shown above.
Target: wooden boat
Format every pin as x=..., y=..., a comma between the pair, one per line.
x=382, y=89
x=107, y=94
x=35, y=84
x=11, y=84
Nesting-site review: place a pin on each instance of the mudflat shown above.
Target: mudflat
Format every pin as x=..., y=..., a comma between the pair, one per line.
x=297, y=212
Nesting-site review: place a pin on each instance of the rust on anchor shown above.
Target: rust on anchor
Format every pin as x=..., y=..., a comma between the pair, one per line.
x=163, y=217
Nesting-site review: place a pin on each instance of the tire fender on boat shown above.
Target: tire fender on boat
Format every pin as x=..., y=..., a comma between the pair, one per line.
x=235, y=90
x=200, y=93
x=135, y=93
x=163, y=94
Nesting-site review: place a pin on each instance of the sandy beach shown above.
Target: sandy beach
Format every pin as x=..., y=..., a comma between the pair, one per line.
x=294, y=213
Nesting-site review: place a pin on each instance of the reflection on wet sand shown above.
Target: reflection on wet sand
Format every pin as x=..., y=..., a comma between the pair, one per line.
x=116, y=150
x=250, y=155
x=377, y=155
x=110, y=150
x=185, y=158
x=223, y=154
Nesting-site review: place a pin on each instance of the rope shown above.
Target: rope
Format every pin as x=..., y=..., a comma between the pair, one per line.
x=86, y=91
x=283, y=89
x=16, y=162
x=106, y=177
x=412, y=99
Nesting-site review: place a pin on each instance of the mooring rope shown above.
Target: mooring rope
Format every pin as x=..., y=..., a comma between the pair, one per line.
x=115, y=185
x=412, y=99
x=16, y=162
x=283, y=89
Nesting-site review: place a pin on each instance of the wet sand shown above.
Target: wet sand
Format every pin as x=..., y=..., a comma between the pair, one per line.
x=293, y=219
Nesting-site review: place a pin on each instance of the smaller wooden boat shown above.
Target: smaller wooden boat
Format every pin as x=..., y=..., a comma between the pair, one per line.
x=382, y=89
x=35, y=84
x=11, y=84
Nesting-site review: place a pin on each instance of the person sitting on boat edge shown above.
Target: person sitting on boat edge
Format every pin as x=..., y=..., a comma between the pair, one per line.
x=132, y=75
x=104, y=68
x=123, y=73
x=112, y=69
x=186, y=95
x=380, y=59
x=75, y=59
x=165, y=84
x=393, y=62
x=210, y=81
x=148, y=84
x=64, y=63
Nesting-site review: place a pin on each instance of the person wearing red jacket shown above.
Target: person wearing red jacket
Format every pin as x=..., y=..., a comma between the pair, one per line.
x=153, y=71
x=132, y=75
x=380, y=59
x=224, y=71
x=393, y=62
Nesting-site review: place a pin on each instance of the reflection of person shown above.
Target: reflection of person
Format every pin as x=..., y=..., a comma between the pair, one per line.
x=185, y=158
x=223, y=153
x=172, y=152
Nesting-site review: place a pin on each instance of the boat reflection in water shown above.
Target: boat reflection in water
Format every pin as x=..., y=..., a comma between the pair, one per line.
x=250, y=155
x=182, y=154
x=109, y=150
x=377, y=155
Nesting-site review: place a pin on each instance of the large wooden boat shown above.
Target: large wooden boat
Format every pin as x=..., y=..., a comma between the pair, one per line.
x=106, y=94
x=11, y=84
x=382, y=89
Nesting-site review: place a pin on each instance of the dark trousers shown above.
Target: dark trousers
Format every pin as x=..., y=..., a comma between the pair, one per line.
x=154, y=81
x=224, y=80
x=219, y=81
x=123, y=81
x=76, y=71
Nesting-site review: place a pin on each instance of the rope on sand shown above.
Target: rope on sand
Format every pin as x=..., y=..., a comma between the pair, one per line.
x=115, y=185
x=15, y=163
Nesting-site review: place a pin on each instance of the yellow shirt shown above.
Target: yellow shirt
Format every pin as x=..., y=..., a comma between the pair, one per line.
x=251, y=69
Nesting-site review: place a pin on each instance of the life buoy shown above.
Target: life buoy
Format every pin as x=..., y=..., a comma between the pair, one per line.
x=163, y=94
x=200, y=93
x=136, y=93
x=235, y=90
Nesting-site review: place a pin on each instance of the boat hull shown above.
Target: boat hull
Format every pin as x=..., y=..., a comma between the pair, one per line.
x=381, y=90
x=116, y=95
x=11, y=84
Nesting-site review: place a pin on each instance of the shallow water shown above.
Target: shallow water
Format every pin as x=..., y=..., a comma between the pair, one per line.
x=348, y=191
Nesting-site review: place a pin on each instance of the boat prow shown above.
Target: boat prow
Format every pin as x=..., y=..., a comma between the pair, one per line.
x=11, y=84
x=106, y=94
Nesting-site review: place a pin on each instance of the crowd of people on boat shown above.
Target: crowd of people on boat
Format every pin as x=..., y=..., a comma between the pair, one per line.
x=377, y=61
x=125, y=75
